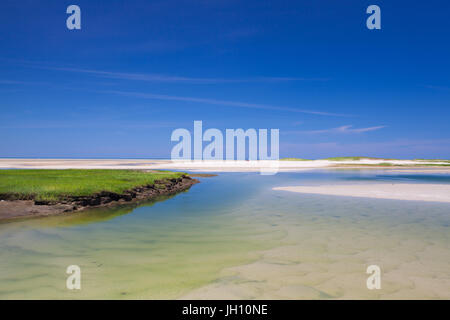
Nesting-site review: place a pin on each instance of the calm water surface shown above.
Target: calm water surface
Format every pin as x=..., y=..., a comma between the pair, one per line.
x=232, y=236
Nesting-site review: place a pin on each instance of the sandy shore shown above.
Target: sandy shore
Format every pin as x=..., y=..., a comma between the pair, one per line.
x=217, y=166
x=399, y=191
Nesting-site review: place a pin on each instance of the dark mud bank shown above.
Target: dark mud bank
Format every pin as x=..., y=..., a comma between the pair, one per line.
x=10, y=209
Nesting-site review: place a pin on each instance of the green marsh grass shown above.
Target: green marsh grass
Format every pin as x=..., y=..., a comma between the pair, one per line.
x=54, y=185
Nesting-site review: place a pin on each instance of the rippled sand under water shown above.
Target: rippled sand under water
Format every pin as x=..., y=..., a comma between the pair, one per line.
x=326, y=257
x=232, y=237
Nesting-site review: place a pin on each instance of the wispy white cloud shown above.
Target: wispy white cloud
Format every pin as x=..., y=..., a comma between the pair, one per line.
x=341, y=129
x=349, y=129
x=152, y=77
x=168, y=78
x=401, y=148
x=97, y=124
x=14, y=82
x=236, y=104
x=133, y=76
x=11, y=82
x=441, y=88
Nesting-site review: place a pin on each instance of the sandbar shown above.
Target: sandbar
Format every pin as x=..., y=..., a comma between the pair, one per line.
x=396, y=191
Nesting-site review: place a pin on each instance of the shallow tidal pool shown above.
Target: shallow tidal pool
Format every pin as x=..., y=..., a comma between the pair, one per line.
x=233, y=237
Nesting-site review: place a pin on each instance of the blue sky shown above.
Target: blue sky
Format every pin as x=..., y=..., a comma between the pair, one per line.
x=137, y=70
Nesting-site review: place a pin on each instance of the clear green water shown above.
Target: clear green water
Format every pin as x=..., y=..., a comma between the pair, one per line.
x=232, y=236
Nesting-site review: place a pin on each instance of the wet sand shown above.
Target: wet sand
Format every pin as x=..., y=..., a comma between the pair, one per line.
x=331, y=264
x=328, y=245
x=398, y=191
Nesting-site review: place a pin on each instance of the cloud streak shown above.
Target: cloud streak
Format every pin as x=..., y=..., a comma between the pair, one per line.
x=152, y=77
x=14, y=82
x=176, y=79
x=235, y=104
x=440, y=88
x=402, y=148
x=342, y=129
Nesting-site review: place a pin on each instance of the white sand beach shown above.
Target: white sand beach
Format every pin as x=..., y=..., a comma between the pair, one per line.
x=217, y=165
x=397, y=191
